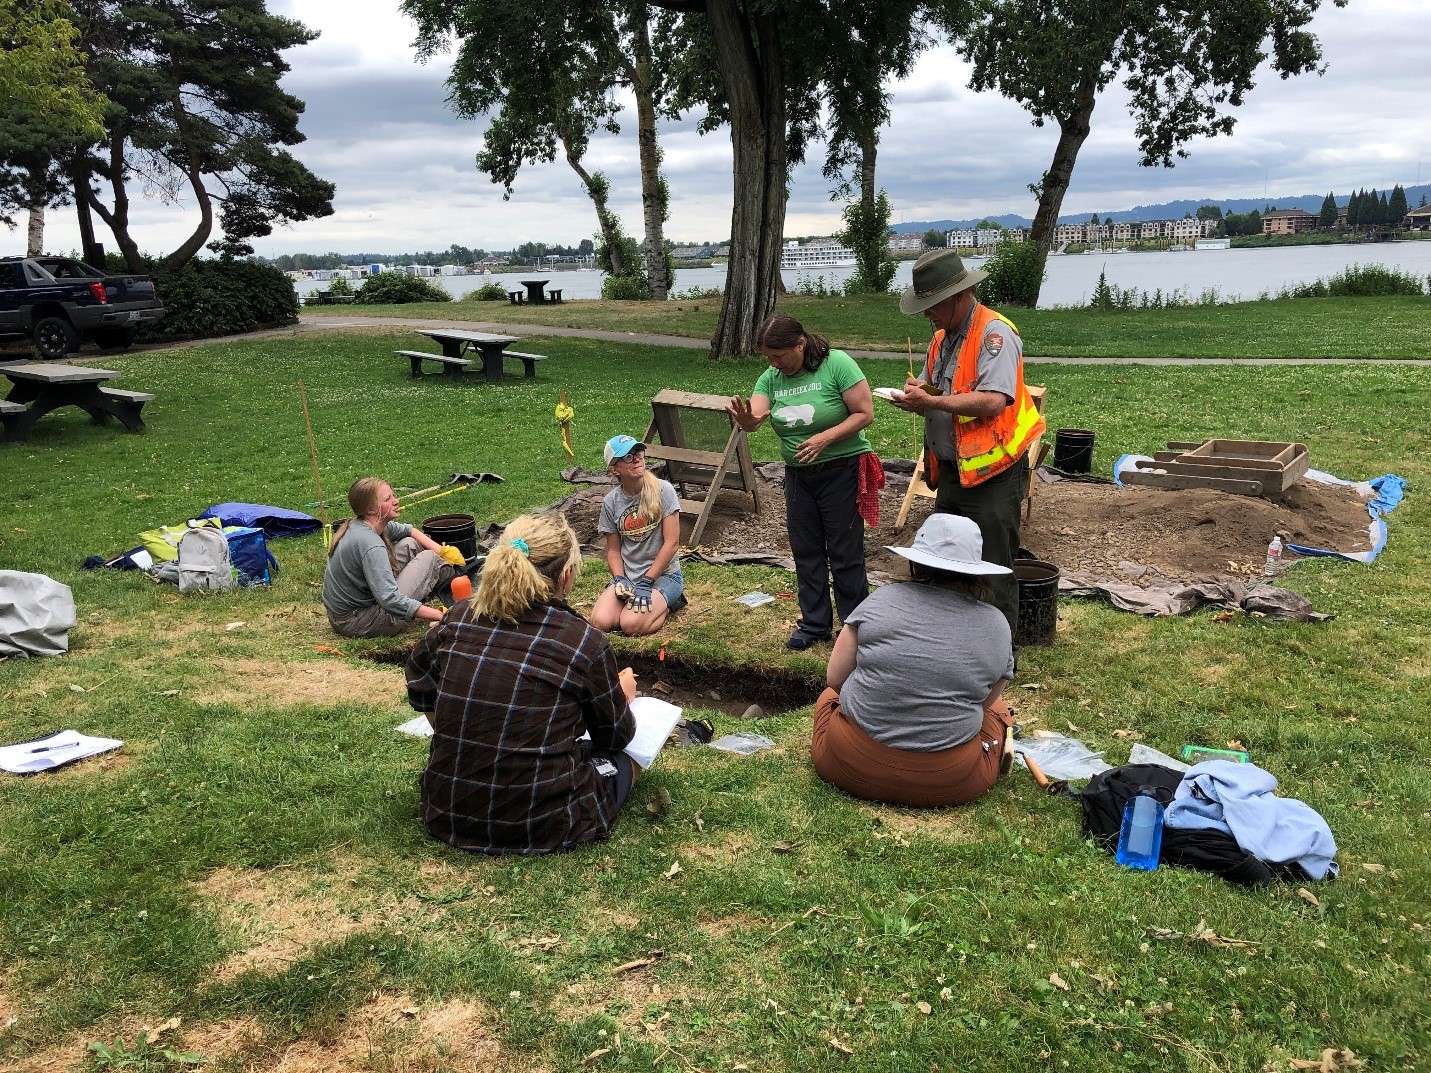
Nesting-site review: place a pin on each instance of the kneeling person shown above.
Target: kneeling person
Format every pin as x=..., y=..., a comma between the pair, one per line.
x=913, y=715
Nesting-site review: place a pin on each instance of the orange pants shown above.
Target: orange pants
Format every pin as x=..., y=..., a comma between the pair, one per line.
x=846, y=757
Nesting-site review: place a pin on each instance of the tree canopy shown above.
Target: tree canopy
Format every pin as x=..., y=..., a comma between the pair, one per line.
x=1185, y=64
x=42, y=71
x=1328, y=215
x=196, y=106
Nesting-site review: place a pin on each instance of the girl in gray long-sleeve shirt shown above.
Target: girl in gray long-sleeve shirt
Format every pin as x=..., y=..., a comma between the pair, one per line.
x=380, y=570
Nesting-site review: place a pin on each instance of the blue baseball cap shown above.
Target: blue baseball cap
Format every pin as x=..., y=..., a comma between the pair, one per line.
x=620, y=447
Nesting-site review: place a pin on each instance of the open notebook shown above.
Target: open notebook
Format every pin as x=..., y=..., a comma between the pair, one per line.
x=56, y=750
x=655, y=719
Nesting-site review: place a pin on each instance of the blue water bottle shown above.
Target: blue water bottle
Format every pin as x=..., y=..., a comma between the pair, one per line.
x=1141, y=837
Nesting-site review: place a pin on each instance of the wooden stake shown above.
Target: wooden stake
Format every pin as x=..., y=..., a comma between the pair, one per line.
x=317, y=480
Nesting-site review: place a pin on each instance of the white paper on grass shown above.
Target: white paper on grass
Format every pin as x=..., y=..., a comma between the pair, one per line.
x=655, y=719
x=418, y=728
x=57, y=750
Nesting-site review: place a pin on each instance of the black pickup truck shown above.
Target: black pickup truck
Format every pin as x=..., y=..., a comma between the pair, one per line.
x=60, y=302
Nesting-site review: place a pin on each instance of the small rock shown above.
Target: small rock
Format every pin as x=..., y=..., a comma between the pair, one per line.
x=714, y=695
x=755, y=711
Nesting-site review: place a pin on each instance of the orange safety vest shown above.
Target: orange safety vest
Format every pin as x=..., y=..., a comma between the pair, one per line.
x=986, y=445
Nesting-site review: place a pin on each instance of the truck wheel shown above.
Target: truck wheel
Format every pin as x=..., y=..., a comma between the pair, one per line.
x=54, y=338
x=114, y=338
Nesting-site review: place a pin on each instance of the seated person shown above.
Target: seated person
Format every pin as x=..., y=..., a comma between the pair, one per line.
x=380, y=571
x=510, y=679
x=641, y=518
x=913, y=715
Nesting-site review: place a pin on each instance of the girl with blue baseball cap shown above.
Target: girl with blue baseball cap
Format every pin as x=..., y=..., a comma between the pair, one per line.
x=641, y=520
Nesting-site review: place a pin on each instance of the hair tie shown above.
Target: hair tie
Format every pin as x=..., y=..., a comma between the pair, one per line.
x=521, y=546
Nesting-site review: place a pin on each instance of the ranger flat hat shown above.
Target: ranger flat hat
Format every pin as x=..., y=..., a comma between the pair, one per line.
x=937, y=275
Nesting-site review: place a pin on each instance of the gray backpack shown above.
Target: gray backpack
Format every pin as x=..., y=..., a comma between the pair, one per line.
x=204, y=561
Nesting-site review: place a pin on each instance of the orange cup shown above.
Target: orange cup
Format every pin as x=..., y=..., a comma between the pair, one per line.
x=461, y=587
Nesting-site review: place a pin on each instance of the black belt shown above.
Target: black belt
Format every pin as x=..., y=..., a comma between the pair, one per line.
x=815, y=467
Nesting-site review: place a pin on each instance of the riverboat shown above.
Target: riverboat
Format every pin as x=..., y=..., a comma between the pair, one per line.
x=821, y=253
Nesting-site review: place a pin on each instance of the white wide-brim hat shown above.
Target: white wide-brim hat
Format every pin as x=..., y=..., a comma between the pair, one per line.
x=950, y=542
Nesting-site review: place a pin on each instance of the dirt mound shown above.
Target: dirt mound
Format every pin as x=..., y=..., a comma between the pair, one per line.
x=1099, y=530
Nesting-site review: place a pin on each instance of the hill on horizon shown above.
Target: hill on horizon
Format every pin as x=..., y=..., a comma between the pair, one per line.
x=1168, y=210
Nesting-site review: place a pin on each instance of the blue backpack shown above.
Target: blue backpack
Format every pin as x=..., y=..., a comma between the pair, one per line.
x=249, y=554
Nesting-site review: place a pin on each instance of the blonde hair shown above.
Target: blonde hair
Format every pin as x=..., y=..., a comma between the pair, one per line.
x=650, y=506
x=363, y=498
x=514, y=579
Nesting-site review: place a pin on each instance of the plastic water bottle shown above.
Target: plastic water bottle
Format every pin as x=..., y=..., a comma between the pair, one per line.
x=1141, y=837
x=1274, y=557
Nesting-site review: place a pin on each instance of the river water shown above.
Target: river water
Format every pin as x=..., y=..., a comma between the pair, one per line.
x=1071, y=280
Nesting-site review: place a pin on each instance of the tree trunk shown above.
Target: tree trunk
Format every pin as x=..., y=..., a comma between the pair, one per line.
x=596, y=190
x=1073, y=132
x=35, y=234
x=869, y=149
x=748, y=54
x=118, y=219
x=195, y=242
x=92, y=252
x=653, y=190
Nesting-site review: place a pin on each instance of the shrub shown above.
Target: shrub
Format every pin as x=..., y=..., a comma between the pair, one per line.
x=1359, y=281
x=488, y=292
x=696, y=294
x=625, y=288
x=222, y=297
x=1016, y=272
x=340, y=288
x=397, y=288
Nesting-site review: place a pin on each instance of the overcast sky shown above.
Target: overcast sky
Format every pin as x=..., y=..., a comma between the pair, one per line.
x=377, y=126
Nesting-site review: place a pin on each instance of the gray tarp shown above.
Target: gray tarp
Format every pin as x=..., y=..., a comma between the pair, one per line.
x=36, y=615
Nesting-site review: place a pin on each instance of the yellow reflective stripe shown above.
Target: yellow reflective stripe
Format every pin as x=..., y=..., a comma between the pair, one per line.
x=1028, y=418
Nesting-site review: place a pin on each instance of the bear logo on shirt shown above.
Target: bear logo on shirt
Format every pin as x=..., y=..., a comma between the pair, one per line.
x=803, y=414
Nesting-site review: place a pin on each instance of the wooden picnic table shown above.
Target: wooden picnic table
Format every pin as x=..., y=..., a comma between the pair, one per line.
x=534, y=289
x=40, y=387
x=454, y=341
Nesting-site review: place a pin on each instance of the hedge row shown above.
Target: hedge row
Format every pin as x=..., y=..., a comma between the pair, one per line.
x=208, y=298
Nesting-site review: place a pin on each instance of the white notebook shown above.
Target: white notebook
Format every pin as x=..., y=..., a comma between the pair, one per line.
x=57, y=750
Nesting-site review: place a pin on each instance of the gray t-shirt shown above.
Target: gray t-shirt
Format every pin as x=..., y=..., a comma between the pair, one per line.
x=998, y=370
x=925, y=660
x=640, y=539
x=359, y=574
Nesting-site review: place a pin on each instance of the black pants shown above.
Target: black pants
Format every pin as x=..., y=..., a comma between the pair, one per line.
x=827, y=539
x=995, y=506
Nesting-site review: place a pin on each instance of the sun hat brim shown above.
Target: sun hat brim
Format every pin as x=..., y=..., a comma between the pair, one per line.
x=954, y=566
x=911, y=301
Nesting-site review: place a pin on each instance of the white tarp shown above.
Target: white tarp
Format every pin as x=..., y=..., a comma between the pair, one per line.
x=36, y=615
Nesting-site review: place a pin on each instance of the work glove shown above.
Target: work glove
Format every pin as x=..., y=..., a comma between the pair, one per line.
x=451, y=555
x=624, y=589
x=641, y=601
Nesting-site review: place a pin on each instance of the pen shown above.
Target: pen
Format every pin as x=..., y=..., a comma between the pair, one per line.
x=52, y=748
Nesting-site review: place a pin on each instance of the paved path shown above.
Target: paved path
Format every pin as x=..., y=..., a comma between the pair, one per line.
x=320, y=324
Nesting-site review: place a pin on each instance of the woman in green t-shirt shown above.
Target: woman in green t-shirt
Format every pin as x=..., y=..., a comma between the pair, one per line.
x=819, y=405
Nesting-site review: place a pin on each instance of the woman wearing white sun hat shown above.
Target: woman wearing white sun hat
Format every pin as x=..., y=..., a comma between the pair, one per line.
x=913, y=715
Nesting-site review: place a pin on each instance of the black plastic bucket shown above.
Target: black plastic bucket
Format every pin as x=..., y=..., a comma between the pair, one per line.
x=1038, y=602
x=459, y=530
x=1073, y=450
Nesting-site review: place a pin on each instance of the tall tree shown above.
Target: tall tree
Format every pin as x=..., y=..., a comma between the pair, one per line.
x=1184, y=63
x=1328, y=217
x=195, y=106
x=548, y=76
x=1396, y=206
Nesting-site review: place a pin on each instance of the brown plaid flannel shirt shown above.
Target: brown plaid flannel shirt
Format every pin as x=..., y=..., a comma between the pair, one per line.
x=506, y=773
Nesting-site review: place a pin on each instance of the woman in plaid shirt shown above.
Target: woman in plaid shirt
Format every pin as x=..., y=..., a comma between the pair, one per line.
x=509, y=680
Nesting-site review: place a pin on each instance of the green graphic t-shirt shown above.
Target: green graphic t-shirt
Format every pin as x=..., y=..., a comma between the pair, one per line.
x=803, y=405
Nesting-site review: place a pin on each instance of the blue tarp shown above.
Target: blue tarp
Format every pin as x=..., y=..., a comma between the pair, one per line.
x=1382, y=495
x=274, y=521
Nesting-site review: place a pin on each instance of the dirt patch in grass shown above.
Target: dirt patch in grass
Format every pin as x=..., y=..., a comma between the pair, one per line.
x=623, y=997
x=1089, y=528
x=281, y=916
x=394, y=1032
x=945, y=824
x=314, y=681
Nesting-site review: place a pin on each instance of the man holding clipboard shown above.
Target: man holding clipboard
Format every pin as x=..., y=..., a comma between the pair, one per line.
x=979, y=418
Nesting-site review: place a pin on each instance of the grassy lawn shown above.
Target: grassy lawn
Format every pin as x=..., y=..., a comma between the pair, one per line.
x=252, y=863
x=1300, y=328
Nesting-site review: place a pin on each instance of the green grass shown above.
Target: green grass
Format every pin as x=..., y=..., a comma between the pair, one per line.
x=1298, y=328
x=252, y=859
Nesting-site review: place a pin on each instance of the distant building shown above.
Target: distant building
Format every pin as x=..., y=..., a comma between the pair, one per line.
x=905, y=242
x=1417, y=219
x=1288, y=222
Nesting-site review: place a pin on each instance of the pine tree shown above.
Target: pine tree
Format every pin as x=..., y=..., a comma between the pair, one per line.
x=1328, y=218
x=1396, y=206
x=1354, y=210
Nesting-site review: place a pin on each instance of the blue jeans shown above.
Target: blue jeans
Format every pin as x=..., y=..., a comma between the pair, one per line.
x=827, y=539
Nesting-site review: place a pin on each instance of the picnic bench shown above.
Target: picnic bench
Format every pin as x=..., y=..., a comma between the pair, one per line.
x=450, y=366
x=492, y=348
x=516, y=297
x=40, y=387
x=534, y=290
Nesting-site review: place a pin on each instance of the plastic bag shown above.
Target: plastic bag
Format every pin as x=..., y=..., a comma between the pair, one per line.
x=743, y=744
x=1061, y=757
